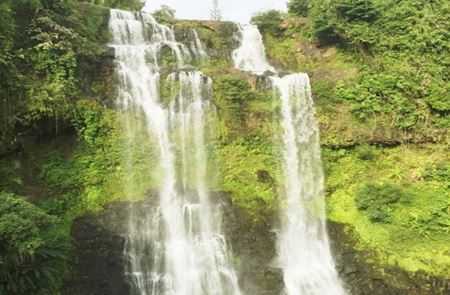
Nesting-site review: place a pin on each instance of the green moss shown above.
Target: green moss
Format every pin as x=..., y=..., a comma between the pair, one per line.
x=217, y=40
x=417, y=235
x=247, y=154
x=239, y=166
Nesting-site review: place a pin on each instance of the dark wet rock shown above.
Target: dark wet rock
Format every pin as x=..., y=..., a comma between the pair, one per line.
x=261, y=82
x=252, y=240
x=98, y=264
x=264, y=176
x=284, y=73
x=97, y=261
x=369, y=278
x=269, y=73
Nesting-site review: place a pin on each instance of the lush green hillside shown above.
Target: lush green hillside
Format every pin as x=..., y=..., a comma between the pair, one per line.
x=50, y=129
x=380, y=79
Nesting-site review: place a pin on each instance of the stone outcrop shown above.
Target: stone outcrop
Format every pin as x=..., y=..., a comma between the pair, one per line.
x=98, y=265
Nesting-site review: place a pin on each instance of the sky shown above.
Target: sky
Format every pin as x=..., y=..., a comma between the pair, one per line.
x=234, y=10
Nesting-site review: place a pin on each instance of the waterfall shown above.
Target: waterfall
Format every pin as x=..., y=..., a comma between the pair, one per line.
x=251, y=55
x=196, y=46
x=302, y=247
x=173, y=245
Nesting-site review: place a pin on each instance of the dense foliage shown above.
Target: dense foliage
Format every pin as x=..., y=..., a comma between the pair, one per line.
x=164, y=13
x=401, y=51
x=30, y=262
x=299, y=7
x=380, y=80
x=379, y=200
x=269, y=22
x=45, y=46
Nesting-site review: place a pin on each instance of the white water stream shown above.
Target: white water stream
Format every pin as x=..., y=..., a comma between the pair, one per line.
x=175, y=247
x=302, y=247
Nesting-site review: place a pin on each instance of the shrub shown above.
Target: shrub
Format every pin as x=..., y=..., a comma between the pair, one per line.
x=357, y=10
x=269, y=22
x=324, y=26
x=164, y=13
x=28, y=264
x=378, y=200
x=58, y=6
x=298, y=7
x=120, y=4
x=438, y=98
x=438, y=172
x=365, y=152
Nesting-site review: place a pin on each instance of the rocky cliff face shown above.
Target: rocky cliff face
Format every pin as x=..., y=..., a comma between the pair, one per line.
x=97, y=260
x=249, y=218
x=245, y=107
x=98, y=265
x=364, y=276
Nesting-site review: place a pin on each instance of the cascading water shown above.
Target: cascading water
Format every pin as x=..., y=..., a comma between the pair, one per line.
x=251, y=55
x=196, y=46
x=302, y=247
x=174, y=246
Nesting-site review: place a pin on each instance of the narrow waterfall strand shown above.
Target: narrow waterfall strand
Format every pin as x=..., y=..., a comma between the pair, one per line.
x=302, y=247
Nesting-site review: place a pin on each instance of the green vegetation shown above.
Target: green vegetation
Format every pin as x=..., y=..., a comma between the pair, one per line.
x=379, y=200
x=398, y=49
x=299, y=7
x=57, y=149
x=31, y=259
x=380, y=80
x=397, y=201
x=164, y=13
x=241, y=175
x=43, y=61
x=245, y=147
x=269, y=22
x=67, y=177
x=120, y=4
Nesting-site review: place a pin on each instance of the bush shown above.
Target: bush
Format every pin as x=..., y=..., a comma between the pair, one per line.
x=164, y=13
x=438, y=98
x=376, y=93
x=438, y=172
x=379, y=200
x=365, y=152
x=269, y=22
x=356, y=10
x=58, y=6
x=298, y=7
x=120, y=4
x=324, y=27
x=28, y=264
x=232, y=94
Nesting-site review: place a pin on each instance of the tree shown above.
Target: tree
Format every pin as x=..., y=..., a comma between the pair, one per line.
x=215, y=12
x=269, y=22
x=28, y=262
x=298, y=7
x=164, y=13
x=357, y=10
